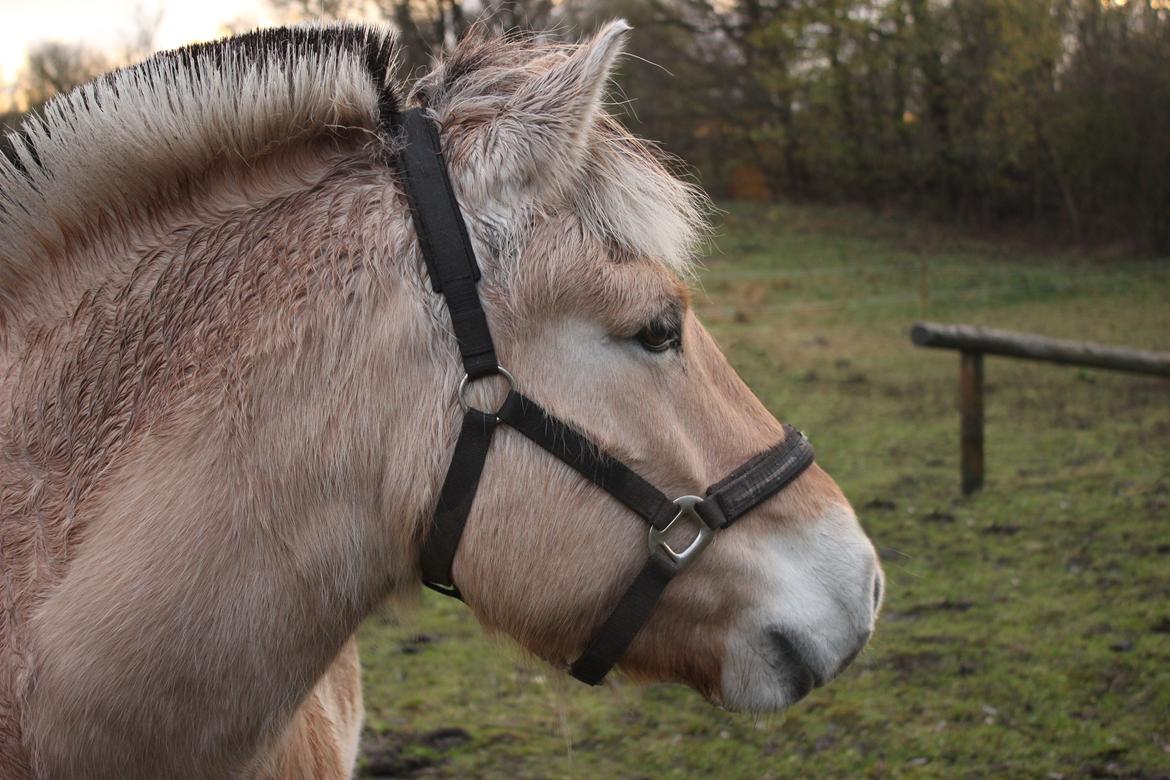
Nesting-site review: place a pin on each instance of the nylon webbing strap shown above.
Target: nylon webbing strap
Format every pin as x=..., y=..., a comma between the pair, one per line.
x=741, y=491
x=756, y=481
x=455, y=499
x=442, y=235
x=611, y=475
x=610, y=640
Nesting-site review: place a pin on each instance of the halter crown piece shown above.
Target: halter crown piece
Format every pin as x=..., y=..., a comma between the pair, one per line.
x=453, y=271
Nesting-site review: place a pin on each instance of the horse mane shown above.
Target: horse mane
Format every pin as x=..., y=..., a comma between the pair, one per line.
x=112, y=147
x=133, y=132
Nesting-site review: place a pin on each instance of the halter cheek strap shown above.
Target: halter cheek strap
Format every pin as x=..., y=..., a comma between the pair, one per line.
x=453, y=270
x=446, y=246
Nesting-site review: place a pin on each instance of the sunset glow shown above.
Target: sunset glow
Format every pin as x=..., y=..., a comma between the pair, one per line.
x=108, y=25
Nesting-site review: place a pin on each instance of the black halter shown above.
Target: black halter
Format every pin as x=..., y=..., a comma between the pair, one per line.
x=451, y=265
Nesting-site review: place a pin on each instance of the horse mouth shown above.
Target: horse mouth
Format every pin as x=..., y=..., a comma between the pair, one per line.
x=793, y=662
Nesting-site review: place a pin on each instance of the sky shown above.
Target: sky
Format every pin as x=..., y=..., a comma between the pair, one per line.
x=107, y=24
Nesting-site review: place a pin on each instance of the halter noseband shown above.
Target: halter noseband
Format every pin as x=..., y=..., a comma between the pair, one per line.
x=453, y=271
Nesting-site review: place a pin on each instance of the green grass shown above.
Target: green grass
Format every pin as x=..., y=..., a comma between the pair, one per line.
x=1026, y=631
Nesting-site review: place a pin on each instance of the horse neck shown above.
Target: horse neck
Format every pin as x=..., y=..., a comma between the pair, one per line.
x=267, y=474
x=158, y=229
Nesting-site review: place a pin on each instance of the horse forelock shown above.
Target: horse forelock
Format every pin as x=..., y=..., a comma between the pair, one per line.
x=626, y=191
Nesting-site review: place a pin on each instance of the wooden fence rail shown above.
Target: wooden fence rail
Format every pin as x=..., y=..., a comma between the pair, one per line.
x=974, y=342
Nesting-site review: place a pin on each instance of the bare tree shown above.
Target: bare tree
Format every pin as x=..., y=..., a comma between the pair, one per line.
x=323, y=9
x=427, y=27
x=54, y=67
x=139, y=43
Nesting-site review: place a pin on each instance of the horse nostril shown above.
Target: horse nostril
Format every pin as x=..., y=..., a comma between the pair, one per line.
x=793, y=658
x=877, y=590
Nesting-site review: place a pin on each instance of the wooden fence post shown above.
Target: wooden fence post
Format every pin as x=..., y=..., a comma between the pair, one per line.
x=975, y=342
x=971, y=420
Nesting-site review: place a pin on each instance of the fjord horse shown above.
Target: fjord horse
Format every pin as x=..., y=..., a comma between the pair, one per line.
x=227, y=403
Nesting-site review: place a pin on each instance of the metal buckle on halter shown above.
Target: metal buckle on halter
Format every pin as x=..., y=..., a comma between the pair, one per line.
x=680, y=560
x=466, y=381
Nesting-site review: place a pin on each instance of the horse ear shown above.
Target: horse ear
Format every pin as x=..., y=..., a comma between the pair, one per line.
x=540, y=137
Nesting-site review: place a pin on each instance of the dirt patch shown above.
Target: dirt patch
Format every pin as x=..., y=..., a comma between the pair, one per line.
x=415, y=644
x=907, y=665
x=388, y=754
x=1002, y=529
x=918, y=610
x=1101, y=769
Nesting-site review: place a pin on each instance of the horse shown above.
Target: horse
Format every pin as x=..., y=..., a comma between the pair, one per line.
x=228, y=394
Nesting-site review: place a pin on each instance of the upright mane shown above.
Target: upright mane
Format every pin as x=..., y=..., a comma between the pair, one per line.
x=99, y=151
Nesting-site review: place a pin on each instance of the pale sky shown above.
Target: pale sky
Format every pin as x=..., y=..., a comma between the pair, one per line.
x=106, y=24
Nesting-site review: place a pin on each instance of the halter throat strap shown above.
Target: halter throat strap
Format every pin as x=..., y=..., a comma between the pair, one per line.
x=451, y=265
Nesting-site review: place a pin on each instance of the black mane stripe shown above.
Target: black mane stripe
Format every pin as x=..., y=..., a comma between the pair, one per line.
x=261, y=47
x=112, y=143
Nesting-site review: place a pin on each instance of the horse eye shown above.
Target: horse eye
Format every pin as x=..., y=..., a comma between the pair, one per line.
x=659, y=337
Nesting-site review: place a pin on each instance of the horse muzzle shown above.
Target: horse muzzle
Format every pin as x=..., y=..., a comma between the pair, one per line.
x=814, y=619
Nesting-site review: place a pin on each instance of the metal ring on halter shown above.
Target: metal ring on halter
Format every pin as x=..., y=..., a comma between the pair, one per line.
x=683, y=558
x=466, y=381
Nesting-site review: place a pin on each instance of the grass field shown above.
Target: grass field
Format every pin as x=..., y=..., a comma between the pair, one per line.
x=1026, y=631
